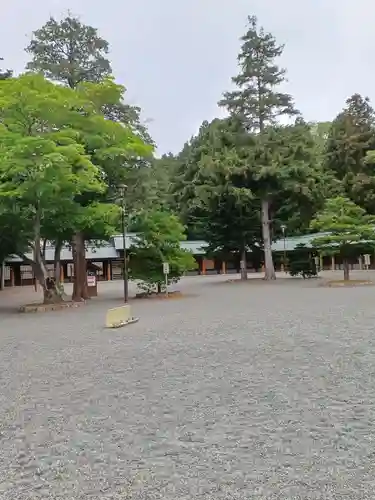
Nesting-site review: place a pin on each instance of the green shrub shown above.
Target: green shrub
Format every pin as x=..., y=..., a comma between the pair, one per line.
x=159, y=237
x=302, y=263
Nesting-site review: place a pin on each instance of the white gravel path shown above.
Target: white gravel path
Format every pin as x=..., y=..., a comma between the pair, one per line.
x=236, y=392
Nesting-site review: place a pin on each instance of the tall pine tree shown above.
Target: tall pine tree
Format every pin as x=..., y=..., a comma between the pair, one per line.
x=70, y=52
x=348, y=153
x=211, y=190
x=258, y=103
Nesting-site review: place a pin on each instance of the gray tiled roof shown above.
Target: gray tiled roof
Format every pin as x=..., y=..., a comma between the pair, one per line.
x=111, y=249
x=104, y=251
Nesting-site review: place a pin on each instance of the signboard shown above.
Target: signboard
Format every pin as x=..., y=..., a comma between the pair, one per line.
x=242, y=264
x=367, y=259
x=91, y=280
x=165, y=267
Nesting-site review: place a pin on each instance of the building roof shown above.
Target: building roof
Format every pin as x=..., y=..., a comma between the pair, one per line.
x=118, y=242
x=93, y=252
x=197, y=247
x=111, y=249
x=292, y=242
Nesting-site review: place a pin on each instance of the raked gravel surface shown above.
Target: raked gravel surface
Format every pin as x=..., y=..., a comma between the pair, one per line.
x=234, y=392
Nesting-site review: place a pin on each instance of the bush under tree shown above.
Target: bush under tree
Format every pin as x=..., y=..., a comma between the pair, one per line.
x=159, y=236
x=302, y=262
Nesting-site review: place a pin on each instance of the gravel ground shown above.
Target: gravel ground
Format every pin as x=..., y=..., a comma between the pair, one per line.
x=250, y=391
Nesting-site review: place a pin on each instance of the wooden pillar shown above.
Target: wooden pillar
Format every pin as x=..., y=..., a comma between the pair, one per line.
x=11, y=276
x=203, y=265
x=108, y=271
x=333, y=264
x=223, y=267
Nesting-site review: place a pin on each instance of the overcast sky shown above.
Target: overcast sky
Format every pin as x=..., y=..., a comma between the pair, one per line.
x=176, y=57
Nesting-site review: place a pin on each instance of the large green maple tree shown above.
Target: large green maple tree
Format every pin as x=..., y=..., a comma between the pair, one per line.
x=74, y=54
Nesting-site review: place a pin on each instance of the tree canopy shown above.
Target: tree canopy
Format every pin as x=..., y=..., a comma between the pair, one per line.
x=159, y=235
x=73, y=54
x=60, y=160
x=349, y=231
x=69, y=51
x=69, y=140
x=257, y=103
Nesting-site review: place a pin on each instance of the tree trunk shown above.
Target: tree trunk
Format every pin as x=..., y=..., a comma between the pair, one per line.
x=57, y=258
x=51, y=294
x=159, y=288
x=80, y=269
x=269, y=268
x=244, y=264
x=346, y=270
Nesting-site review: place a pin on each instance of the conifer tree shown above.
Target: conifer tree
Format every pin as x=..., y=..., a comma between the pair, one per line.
x=349, y=152
x=258, y=103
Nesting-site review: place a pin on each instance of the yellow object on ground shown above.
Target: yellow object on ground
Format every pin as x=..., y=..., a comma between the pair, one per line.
x=119, y=316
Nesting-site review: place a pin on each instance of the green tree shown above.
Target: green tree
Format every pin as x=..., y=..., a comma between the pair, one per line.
x=162, y=180
x=348, y=156
x=283, y=165
x=112, y=147
x=159, y=235
x=330, y=185
x=349, y=230
x=73, y=54
x=320, y=131
x=301, y=262
x=70, y=52
x=38, y=114
x=213, y=197
x=257, y=103
x=43, y=167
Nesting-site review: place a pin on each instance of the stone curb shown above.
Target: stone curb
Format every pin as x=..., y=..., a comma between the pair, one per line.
x=34, y=308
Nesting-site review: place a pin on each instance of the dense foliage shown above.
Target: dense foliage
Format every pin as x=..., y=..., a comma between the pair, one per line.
x=74, y=55
x=69, y=141
x=349, y=231
x=159, y=235
x=301, y=262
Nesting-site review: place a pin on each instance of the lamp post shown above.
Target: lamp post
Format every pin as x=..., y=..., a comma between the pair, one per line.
x=123, y=188
x=283, y=228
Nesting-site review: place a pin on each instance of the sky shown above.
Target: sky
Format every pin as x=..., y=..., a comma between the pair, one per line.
x=176, y=57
